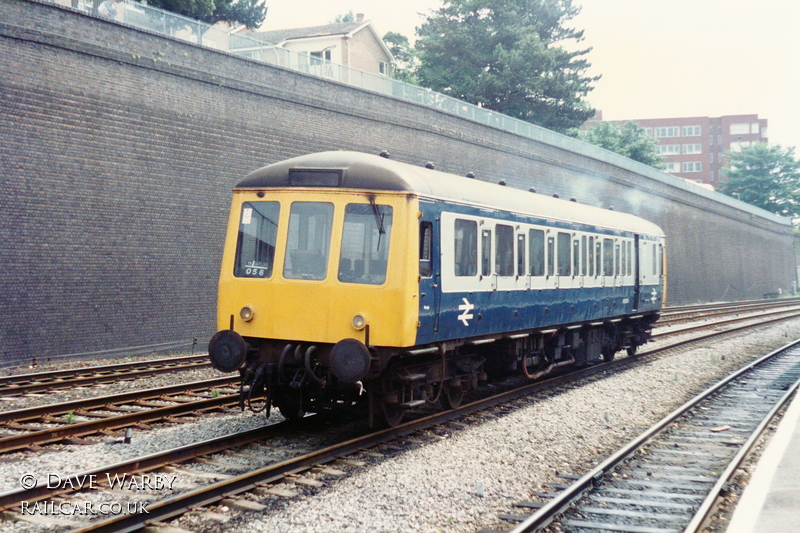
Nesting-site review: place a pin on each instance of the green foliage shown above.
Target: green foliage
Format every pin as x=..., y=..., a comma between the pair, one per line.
x=251, y=13
x=405, y=57
x=508, y=56
x=764, y=176
x=348, y=17
x=627, y=139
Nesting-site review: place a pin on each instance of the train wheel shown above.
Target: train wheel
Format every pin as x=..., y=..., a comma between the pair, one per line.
x=608, y=354
x=453, y=394
x=631, y=350
x=392, y=413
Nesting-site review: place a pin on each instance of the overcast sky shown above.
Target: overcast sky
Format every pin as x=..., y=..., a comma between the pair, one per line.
x=658, y=58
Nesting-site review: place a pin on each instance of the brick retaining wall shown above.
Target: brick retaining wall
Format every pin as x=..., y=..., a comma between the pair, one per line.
x=120, y=148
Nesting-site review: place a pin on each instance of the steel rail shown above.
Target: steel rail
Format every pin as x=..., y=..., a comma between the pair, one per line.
x=560, y=503
x=706, y=507
x=94, y=369
x=91, y=427
x=39, y=411
x=681, y=316
x=47, y=381
x=702, y=307
x=726, y=322
x=11, y=498
x=175, y=505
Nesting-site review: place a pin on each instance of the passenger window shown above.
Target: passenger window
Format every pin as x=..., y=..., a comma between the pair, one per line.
x=504, y=250
x=660, y=259
x=536, y=251
x=599, y=257
x=255, y=246
x=564, y=242
x=425, y=249
x=576, y=257
x=655, y=261
x=608, y=257
x=591, y=256
x=309, y=241
x=630, y=258
x=466, y=247
x=486, y=252
x=616, y=259
x=583, y=255
x=551, y=256
x=365, y=243
x=624, y=266
x=521, y=254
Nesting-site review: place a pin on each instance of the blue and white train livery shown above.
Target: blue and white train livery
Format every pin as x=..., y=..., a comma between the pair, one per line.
x=350, y=279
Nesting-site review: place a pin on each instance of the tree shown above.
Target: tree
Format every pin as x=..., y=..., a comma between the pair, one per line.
x=348, y=17
x=405, y=57
x=628, y=139
x=508, y=56
x=250, y=13
x=764, y=176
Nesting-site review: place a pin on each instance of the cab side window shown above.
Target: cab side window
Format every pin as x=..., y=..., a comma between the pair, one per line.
x=425, y=249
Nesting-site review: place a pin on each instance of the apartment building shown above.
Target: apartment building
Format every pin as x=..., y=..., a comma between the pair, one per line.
x=694, y=147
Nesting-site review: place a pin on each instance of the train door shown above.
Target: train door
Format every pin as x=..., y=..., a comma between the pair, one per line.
x=636, y=282
x=504, y=258
x=429, y=271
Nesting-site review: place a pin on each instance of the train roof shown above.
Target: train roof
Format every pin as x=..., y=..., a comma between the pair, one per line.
x=356, y=170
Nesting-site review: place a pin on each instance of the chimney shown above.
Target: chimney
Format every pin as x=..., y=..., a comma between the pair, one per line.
x=359, y=17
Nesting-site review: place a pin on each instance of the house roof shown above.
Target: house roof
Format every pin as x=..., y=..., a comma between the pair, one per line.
x=340, y=28
x=343, y=29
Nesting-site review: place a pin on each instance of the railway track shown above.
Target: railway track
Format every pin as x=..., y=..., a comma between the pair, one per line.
x=16, y=385
x=38, y=382
x=244, y=489
x=68, y=421
x=36, y=426
x=679, y=314
x=668, y=478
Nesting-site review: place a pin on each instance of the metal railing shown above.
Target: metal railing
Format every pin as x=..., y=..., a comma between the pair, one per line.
x=157, y=20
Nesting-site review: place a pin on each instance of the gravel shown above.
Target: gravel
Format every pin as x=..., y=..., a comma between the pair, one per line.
x=434, y=488
x=462, y=479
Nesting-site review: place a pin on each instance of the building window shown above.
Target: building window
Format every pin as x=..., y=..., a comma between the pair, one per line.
x=318, y=57
x=648, y=132
x=671, y=167
x=671, y=131
x=669, y=149
x=740, y=129
x=693, y=166
x=383, y=66
x=692, y=148
x=691, y=131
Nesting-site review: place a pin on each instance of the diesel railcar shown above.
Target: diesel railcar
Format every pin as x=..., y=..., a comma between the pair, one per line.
x=353, y=280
